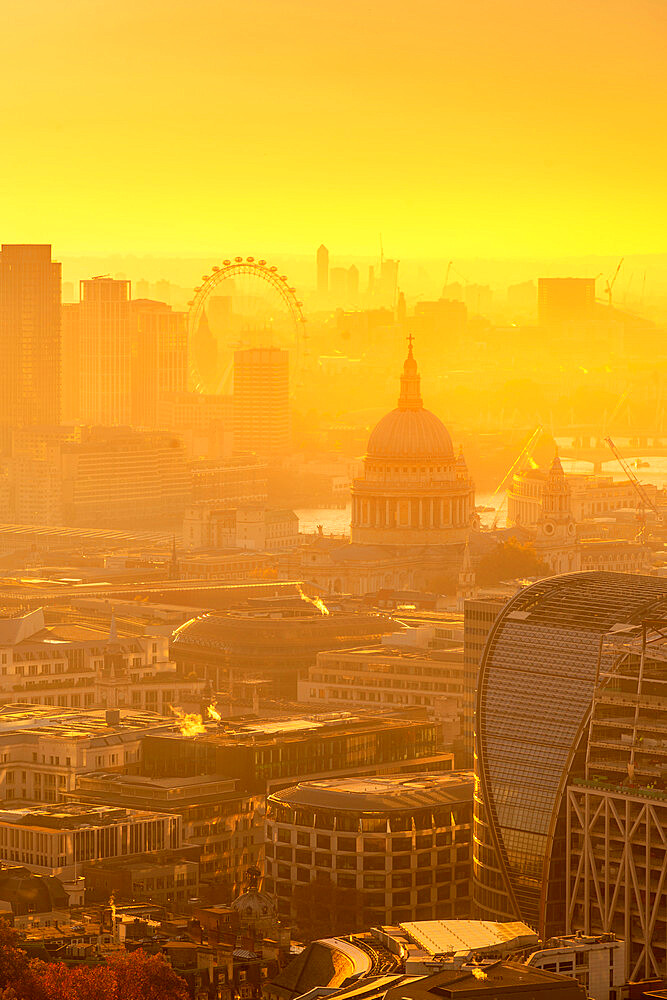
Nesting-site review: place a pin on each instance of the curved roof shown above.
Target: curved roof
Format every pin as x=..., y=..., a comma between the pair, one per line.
x=535, y=689
x=379, y=794
x=411, y=434
x=410, y=431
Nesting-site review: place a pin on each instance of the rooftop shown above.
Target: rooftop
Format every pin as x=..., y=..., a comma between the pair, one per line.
x=380, y=794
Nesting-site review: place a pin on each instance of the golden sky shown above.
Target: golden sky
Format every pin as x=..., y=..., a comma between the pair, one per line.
x=454, y=127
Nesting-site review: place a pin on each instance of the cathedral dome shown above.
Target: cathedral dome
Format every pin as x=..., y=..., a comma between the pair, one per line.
x=410, y=431
x=408, y=434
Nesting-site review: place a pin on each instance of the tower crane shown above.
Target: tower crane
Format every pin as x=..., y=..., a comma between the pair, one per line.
x=610, y=282
x=645, y=502
x=525, y=453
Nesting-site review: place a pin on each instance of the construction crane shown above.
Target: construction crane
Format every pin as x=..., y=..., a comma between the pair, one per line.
x=645, y=502
x=525, y=453
x=610, y=282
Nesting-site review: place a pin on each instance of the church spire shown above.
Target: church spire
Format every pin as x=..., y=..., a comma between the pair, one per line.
x=410, y=398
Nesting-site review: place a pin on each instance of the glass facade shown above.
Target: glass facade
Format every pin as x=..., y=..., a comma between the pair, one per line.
x=536, y=684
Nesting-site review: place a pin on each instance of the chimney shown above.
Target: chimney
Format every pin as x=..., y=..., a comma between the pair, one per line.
x=112, y=716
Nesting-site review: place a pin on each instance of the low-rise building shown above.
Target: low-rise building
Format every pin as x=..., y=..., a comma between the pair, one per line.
x=44, y=749
x=224, y=824
x=214, y=525
x=59, y=840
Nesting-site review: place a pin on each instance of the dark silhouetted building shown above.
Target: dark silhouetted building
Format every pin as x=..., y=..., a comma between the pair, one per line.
x=562, y=300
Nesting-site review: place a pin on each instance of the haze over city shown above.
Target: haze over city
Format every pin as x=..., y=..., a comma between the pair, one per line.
x=333, y=500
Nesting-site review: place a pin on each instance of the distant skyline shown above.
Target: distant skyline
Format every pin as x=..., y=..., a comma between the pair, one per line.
x=457, y=128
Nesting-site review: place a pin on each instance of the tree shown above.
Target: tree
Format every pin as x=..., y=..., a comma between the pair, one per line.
x=126, y=976
x=508, y=561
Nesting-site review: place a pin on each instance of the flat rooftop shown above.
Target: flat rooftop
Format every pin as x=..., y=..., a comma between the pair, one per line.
x=71, y=723
x=72, y=817
x=381, y=794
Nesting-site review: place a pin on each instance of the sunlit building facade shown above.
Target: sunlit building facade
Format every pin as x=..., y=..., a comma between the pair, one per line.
x=414, y=490
x=537, y=682
x=29, y=338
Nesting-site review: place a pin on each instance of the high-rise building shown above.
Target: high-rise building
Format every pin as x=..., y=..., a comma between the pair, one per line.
x=539, y=681
x=159, y=359
x=479, y=614
x=322, y=271
x=29, y=338
x=562, y=300
x=261, y=400
x=338, y=279
x=105, y=341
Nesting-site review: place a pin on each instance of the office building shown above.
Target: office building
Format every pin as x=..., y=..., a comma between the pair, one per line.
x=58, y=840
x=370, y=851
x=479, y=614
x=159, y=359
x=225, y=825
x=271, y=753
x=261, y=401
x=29, y=338
x=565, y=300
x=390, y=676
x=546, y=654
x=215, y=526
x=105, y=352
x=45, y=749
x=322, y=271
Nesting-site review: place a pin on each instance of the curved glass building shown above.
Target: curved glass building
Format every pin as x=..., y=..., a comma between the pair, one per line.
x=536, y=683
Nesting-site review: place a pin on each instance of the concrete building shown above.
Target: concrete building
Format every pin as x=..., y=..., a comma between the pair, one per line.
x=370, y=851
x=479, y=614
x=159, y=359
x=217, y=526
x=45, y=750
x=261, y=401
x=223, y=824
x=105, y=352
x=322, y=271
x=96, y=476
x=274, y=646
x=597, y=962
x=390, y=676
x=414, y=490
x=564, y=300
x=58, y=840
x=275, y=752
x=29, y=338
x=561, y=704
x=205, y=423
x=230, y=481
x=591, y=496
x=79, y=666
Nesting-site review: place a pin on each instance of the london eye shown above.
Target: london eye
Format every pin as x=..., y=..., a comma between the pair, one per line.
x=243, y=303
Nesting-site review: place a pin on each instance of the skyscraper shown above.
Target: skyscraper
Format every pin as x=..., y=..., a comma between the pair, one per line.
x=29, y=338
x=322, y=271
x=159, y=358
x=261, y=400
x=105, y=395
x=533, y=738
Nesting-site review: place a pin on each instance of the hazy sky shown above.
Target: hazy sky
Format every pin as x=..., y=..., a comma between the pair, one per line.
x=454, y=127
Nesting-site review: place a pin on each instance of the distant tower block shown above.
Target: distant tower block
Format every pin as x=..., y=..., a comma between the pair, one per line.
x=322, y=270
x=29, y=337
x=261, y=400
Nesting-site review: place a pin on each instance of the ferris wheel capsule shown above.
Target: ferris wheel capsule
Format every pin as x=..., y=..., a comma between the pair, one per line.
x=239, y=260
x=262, y=263
x=226, y=263
x=274, y=269
x=283, y=277
x=205, y=277
x=215, y=268
x=292, y=290
x=250, y=260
